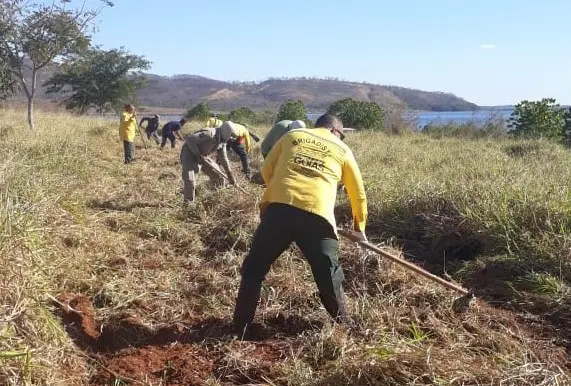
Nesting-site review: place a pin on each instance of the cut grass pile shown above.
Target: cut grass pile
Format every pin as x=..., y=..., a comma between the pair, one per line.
x=106, y=279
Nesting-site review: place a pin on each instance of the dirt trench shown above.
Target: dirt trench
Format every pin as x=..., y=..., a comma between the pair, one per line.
x=125, y=351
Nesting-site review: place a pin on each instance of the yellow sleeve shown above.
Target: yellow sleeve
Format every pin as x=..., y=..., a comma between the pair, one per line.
x=270, y=162
x=247, y=141
x=355, y=191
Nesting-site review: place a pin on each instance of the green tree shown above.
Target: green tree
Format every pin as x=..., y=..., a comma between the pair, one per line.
x=292, y=110
x=567, y=129
x=33, y=35
x=538, y=119
x=8, y=83
x=243, y=115
x=99, y=79
x=200, y=112
x=358, y=114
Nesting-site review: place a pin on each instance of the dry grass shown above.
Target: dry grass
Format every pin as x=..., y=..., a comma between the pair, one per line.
x=75, y=220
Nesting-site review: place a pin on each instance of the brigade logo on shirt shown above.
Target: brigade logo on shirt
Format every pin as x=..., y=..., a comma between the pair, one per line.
x=310, y=162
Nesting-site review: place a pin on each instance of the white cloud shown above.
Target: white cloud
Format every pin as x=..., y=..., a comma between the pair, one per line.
x=488, y=46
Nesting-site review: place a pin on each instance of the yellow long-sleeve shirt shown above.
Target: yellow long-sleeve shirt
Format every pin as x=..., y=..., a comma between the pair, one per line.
x=303, y=170
x=213, y=122
x=127, y=127
x=243, y=134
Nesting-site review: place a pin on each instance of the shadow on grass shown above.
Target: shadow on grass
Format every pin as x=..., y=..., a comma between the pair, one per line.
x=125, y=331
x=112, y=205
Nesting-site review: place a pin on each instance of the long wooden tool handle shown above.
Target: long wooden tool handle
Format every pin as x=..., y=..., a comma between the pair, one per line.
x=139, y=130
x=353, y=237
x=224, y=175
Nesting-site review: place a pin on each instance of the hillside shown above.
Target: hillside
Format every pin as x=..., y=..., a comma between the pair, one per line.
x=317, y=94
x=183, y=91
x=108, y=280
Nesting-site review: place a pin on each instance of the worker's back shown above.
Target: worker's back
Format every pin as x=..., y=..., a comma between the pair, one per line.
x=304, y=169
x=274, y=135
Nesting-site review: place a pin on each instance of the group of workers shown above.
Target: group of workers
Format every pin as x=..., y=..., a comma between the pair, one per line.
x=302, y=170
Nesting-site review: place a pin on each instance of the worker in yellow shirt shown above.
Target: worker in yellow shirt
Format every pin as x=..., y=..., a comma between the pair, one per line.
x=127, y=131
x=301, y=173
x=241, y=144
x=214, y=121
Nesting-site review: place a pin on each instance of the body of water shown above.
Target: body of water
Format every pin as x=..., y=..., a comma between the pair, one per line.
x=424, y=118
x=421, y=118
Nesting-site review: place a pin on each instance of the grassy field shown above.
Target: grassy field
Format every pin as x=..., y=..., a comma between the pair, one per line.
x=106, y=280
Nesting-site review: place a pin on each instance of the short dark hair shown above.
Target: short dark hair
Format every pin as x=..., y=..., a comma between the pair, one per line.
x=330, y=121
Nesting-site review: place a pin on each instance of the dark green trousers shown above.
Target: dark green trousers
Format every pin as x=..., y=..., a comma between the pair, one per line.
x=129, y=151
x=281, y=225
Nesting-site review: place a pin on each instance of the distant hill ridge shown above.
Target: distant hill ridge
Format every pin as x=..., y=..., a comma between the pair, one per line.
x=181, y=91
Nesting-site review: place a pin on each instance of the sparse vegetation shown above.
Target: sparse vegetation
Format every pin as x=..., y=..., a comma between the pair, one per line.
x=33, y=35
x=492, y=128
x=107, y=280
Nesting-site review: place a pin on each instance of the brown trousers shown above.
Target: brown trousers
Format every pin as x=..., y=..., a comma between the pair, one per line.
x=190, y=170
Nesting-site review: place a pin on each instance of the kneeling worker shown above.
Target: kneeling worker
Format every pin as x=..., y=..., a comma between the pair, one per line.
x=193, y=157
x=301, y=173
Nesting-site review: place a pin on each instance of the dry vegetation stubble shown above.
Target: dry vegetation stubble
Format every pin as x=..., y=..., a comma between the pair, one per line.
x=154, y=285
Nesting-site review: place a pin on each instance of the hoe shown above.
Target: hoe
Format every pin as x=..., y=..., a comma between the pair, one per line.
x=460, y=305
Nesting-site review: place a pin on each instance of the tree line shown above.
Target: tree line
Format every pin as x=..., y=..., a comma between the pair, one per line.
x=355, y=114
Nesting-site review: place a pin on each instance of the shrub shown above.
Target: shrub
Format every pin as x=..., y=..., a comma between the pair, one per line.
x=199, y=112
x=358, y=114
x=539, y=119
x=292, y=110
x=243, y=115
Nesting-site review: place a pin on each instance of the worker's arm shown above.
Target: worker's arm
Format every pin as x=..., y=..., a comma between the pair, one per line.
x=270, y=162
x=223, y=159
x=355, y=191
x=179, y=135
x=143, y=120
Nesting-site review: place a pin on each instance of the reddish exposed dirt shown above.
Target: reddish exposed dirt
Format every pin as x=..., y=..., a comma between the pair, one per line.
x=129, y=350
x=175, y=364
x=79, y=319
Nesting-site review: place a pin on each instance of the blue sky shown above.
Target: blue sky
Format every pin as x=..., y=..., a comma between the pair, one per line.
x=488, y=52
